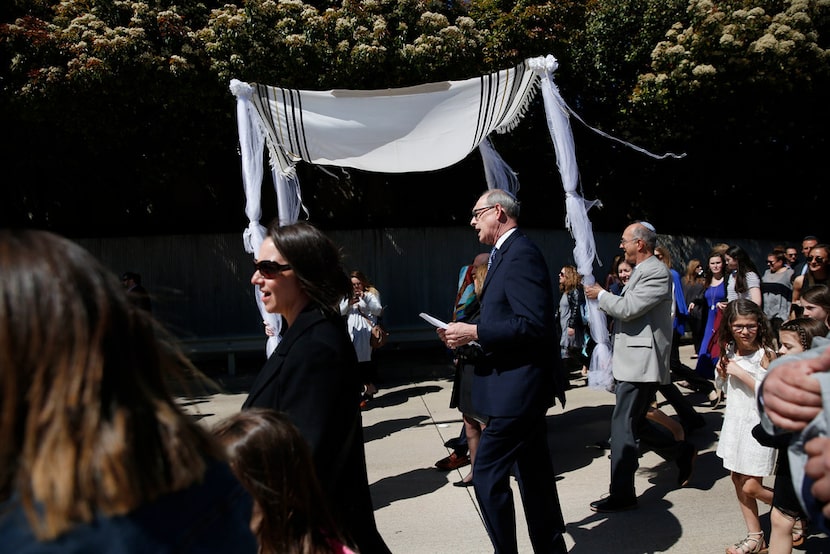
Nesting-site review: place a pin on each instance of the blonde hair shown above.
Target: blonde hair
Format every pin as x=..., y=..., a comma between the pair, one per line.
x=572, y=278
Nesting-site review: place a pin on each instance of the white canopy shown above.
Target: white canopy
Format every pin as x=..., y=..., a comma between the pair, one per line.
x=419, y=128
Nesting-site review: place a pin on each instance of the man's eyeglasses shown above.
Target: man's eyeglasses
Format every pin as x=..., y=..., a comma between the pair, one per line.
x=817, y=259
x=624, y=241
x=478, y=211
x=269, y=269
x=741, y=328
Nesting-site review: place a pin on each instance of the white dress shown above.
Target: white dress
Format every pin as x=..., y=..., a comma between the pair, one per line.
x=360, y=328
x=737, y=447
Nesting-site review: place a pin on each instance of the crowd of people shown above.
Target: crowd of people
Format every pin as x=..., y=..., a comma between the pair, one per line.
x=751, y=321
x=86, y=385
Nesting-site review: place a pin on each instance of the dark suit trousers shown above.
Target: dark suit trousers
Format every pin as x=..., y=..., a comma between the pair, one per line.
x=522, y=441
x=629, y=417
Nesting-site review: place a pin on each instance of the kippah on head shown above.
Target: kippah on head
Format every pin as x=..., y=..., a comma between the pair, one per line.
x=648, y=226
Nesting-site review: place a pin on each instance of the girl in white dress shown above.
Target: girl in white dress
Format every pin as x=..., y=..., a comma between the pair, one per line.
x=745, y=337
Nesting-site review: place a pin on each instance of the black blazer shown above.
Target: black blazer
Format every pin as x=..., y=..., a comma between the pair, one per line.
x=520, y=371
x=312, y=377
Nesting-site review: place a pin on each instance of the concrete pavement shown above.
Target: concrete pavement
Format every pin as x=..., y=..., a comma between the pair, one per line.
x=419, y=511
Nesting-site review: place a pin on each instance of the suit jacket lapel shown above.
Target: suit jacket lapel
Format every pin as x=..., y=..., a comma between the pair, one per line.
x=500, y=252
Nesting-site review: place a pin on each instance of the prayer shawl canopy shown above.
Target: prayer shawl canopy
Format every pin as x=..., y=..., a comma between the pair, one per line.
x=420, y=128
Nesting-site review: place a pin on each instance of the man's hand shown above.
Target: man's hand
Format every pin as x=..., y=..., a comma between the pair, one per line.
x=792, y=398
x=592, y=291
x=458, y=334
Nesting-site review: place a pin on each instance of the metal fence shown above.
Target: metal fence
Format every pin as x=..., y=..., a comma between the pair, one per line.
x=200, y=284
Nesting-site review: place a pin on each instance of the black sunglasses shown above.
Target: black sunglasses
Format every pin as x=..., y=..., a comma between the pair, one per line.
x=818, y=259
x=269, y=269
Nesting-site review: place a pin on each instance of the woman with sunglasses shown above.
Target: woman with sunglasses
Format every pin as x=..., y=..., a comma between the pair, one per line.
x=299, y=274
x=818, y=273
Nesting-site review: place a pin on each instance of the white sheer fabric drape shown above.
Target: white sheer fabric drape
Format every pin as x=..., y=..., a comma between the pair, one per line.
x=576, y=208
x=251, y=146
x=497, y=173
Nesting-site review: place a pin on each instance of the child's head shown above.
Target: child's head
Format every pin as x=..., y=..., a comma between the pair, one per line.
x=273, y=462
x=816, y=303
x=796, y=335
x=745, y=324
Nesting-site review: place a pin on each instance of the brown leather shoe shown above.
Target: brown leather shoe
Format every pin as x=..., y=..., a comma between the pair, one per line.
x=453, y=461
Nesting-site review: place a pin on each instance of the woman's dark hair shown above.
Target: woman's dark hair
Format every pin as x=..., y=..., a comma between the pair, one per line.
x=818, y=295
x=316, y=262
x=745, y=265
x=715, y=253
x=273, y=462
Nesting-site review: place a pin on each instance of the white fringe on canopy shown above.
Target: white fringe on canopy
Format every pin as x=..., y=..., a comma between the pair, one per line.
x=420, y=128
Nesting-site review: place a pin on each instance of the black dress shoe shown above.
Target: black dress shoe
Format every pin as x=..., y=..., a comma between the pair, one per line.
x=613, y=504
x=463, y=483
x=685, y=463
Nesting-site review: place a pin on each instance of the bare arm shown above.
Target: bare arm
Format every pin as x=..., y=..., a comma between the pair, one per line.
x=755, y=295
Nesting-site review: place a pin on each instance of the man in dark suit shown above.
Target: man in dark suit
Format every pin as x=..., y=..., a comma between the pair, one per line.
x=515, y=380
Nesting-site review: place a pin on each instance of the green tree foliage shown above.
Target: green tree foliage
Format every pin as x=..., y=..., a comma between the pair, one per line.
x=359, y=45
x=108, y=102
x=741, y=59
x=742, y=87
x=128, y=101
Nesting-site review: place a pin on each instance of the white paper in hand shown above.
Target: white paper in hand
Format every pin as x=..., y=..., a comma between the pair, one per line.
x=440, y=324
x=435, y=322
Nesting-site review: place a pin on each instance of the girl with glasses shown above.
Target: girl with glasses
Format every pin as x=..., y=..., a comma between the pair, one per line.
x=787, y=516
x=747, y=345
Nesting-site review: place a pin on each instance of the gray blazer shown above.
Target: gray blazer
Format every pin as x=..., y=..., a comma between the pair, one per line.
x=642, y=332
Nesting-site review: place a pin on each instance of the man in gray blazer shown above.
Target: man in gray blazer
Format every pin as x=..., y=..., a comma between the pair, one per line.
x=642, y=339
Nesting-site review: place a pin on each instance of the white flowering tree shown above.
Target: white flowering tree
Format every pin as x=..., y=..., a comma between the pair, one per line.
x=740, y=55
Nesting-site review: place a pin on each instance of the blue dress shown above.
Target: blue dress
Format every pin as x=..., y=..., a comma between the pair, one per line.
x=705, y=361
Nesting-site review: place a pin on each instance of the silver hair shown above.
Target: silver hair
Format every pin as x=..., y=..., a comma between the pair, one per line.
x=646, y=233
x=504, y=199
